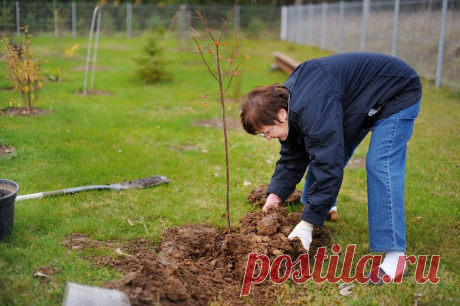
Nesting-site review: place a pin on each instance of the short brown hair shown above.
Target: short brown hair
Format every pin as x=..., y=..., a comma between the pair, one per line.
x=261, y=106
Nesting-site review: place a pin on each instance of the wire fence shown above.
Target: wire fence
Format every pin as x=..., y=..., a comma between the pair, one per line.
x=74, y=19
x=424, y=33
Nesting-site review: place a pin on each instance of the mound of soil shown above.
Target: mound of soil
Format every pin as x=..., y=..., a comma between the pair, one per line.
x=97, y=68
x=217, y=123
x=93, y=92
x=5, y=150
x=197, y=264
x=258, y=196
x=22, y=111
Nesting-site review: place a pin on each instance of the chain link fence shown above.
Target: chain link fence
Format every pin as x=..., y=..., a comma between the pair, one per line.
x=424, y=33
x=409, y=29
x=74, y=19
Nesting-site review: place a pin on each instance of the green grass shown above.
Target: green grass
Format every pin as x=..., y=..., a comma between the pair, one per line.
x=142, y=130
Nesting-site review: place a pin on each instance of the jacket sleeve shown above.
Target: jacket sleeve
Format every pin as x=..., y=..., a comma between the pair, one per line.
x=324, y=142
x=289, y=170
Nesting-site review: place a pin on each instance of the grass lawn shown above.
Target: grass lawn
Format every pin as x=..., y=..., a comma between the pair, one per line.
x=141, y=130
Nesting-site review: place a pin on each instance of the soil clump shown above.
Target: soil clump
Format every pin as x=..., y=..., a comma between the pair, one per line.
x=5, y=150
x=22, y=111
x=198, y=264
x=258, y=196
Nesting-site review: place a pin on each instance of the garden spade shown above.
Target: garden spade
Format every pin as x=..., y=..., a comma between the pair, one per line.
x=140, y=183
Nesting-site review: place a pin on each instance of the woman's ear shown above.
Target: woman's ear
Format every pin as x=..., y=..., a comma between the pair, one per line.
x=282, y=115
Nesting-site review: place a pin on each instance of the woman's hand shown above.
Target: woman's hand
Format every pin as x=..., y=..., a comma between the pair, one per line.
x=272, y=203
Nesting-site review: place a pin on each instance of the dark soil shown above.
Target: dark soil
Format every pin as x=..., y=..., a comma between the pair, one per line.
x=258, y=196
x=92, y=92
x=7, y=88
x=5, y=150
x=97, y=68
x=197, y=264
x=22, y=111
x=217, y=123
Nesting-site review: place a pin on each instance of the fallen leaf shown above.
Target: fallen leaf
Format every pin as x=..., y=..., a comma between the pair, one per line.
x=215, y=174
x=247, y=183
x=418, y=296
x=120, y=252
x=347, y=290
x=40, y=274
x=418, y=218
x=223, y=215
x=342, y=285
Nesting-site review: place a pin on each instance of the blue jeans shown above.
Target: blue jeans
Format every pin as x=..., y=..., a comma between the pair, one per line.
x=386, y=171
x=310, y=179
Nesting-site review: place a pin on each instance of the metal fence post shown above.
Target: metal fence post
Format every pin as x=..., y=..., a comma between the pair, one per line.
x=441, y=43
x=395, y=28
x=283, y=29
x=56, y=27
x=17, y=19
x=290, y=23
x=74, y=20
x=341, y=26
x=323, y=26
x=299, y=24
x=310, y=24
x=128, y=20
x=236, y=17
x=364, y=24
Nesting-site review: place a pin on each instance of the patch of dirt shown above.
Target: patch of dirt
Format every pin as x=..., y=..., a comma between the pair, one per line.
x=5, y=150
x=48, y=271
x=93, y=92
x=44, y=274
x=7, y=88
x=22, y=111
x=97, y=68
x=217, y=123
x=258, y=196
x=359, y=162
x=197, y=264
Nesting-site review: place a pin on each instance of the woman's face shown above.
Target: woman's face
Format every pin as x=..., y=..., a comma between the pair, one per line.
x=279, y=130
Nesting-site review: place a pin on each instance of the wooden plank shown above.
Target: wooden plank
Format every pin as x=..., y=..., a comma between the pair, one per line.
x=285, y=63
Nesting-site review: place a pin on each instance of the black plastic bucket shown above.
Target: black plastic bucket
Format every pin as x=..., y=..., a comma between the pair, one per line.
x=8, y=192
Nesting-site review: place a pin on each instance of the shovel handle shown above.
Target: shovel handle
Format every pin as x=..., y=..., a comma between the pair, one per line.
x=63, y=191
x=39, y=195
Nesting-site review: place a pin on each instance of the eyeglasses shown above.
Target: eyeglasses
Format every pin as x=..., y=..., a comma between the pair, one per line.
x=267, y=136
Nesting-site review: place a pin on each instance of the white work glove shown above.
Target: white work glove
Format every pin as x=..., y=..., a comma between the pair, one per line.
x=272, y=203
x=303, y=231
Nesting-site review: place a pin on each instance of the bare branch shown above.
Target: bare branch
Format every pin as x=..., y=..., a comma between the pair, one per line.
x=233, y=57
x=204, y=60
x=213, y=94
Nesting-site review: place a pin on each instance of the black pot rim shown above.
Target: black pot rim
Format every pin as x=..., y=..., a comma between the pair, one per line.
x=9, y=183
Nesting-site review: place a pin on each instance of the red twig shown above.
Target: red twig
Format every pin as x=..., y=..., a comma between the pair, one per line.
x=220, y=76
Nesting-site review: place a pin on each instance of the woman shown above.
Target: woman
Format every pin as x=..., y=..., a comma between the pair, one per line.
x=320, y=114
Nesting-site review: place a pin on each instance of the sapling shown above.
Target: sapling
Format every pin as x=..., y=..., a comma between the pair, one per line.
x=24, y=71
x=209, y=48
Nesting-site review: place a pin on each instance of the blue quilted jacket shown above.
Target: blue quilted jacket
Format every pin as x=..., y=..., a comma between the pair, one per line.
x=332, y=99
